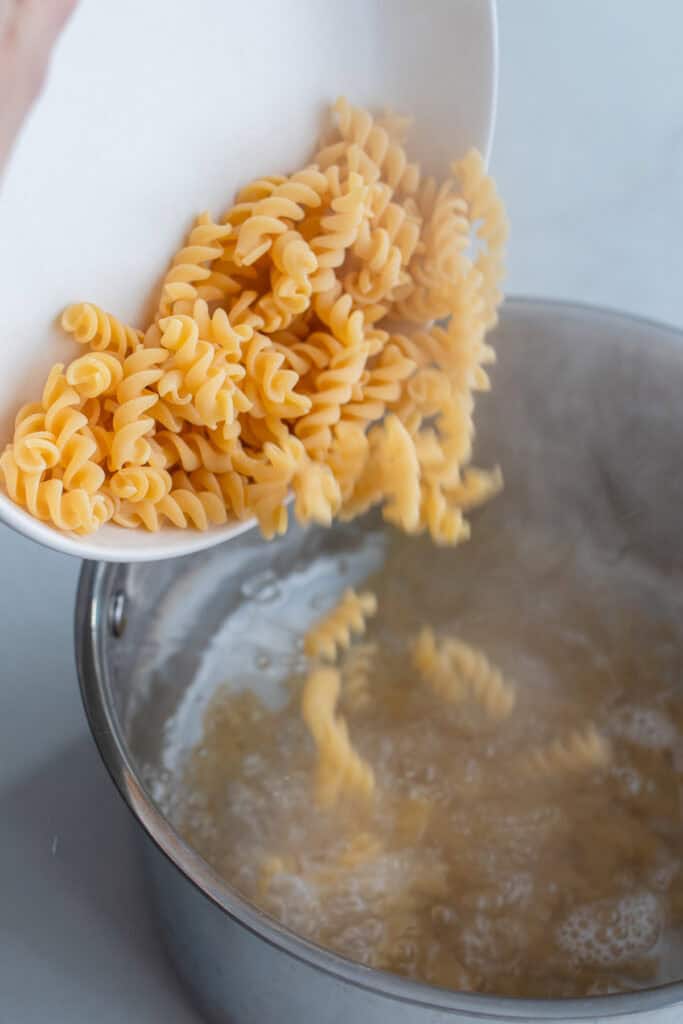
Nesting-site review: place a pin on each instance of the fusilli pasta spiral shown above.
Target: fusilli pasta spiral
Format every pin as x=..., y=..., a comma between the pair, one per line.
x=95, y=374
x=334, y=631
x=337, y=312
x=381, y=385
x=341, y=227
x=487, y=214
x=400, y=473
x=268, y=218
x=189, y=276
x=581, y=751
x=317, y=494
x=90, y=325
x=48, y=500
x=356, y=676
x=270, y=388
x=286, y=331
x=357, y=125
x=339, y=767
x=130, y=422
x=332, y=391
x=455, y=671
x=199, y=374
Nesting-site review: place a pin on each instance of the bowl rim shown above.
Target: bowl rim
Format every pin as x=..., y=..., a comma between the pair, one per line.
x=90, y=622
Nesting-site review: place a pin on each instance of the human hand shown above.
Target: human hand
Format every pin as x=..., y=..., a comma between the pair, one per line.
x=28, y=30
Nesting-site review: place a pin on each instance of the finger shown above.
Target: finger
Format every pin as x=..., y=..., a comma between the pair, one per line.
x=27, y=34
x=37, y=23
x=49, y=14
x=8, y=9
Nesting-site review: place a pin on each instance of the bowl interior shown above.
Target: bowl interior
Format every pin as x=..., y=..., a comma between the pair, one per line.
x=151, y=116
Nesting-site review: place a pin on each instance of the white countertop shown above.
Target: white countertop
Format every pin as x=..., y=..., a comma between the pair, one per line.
x=589, y=156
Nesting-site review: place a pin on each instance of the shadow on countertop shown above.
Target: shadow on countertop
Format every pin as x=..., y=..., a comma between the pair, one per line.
x=74, y=915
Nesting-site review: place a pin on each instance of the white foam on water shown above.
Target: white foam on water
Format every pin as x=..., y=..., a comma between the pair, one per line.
x=663, y=872
x=611, y=933
x=646, y=727
x=629, y=778
x=360, y=939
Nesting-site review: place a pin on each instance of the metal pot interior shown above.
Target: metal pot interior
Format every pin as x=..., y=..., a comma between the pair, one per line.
x=586, y=422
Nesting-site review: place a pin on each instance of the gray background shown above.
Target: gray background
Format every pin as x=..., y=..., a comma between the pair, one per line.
x=589, y=156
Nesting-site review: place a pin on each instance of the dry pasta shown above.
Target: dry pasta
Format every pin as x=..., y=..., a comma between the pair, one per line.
x=90, y=325
x=189, y=276
x=278, y=323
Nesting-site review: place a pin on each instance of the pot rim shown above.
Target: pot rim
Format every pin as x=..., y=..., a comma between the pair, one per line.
x=93, y=674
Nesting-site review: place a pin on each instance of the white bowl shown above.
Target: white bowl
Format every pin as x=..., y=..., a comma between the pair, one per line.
x=156, y=111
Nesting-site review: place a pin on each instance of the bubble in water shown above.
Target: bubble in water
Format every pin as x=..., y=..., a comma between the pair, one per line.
x=158, y=784
x=518, y=889
x=263, y=587
x=443, y=915
x=262, y=661
x=252, y=765
x=630, y=779
x=478, y=941
x=646, y=727
x=603, y=987
x=609, y=933
x=358, y=940
x=663, y=873
x=405, y=952
x=295, y=902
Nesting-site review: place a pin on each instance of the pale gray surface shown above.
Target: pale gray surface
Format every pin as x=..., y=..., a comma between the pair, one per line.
x=77, y=941
x=589, y=154
x=588, y=150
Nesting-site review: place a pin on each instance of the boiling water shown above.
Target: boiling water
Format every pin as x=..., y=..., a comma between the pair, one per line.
x=467, y=870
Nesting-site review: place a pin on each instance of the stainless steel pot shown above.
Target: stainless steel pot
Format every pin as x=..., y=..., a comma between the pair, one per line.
x=587, y=422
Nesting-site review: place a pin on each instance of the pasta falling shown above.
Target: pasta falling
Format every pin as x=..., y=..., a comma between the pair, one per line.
x=335, y=630
x=275, y=354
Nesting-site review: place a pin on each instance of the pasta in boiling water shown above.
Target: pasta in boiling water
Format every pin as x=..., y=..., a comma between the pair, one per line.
x=335, y=630
x=340, y=768
x=357, y=670
x=580, y=751
x=456, y=671
x=465, y=863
